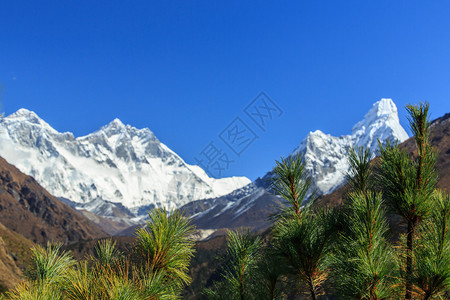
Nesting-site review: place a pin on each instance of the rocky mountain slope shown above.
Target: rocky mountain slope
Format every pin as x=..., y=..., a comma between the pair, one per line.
x=27, y=208
x=326, y=162
x=118, y=171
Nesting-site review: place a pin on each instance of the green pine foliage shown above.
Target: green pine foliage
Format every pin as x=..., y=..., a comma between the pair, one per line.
x=29, y=290
x=167, y=245
x=82, y=283
x=363, y=262
x=303, y=243
x=272, y=269
x=106, y=253
x=360, y=177
x=240, y=279
x=291, y=182
x=301, y=234
x=50, y=264
x=408, y=183
x=432, y=255
x=50, y=269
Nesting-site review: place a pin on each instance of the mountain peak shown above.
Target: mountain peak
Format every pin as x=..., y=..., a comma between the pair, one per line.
x=326, y=155
x=381, y=109
x=115, y=123
x=114, y=127
x=24, y=113
x=381, y=120
x=385, y=106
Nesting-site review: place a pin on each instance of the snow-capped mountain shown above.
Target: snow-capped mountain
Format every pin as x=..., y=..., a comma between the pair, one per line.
x=326, y=162
x=118, y=167
x=326, y=155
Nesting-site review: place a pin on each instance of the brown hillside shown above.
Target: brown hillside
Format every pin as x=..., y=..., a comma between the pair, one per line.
x=17, y=246
x=10, y=274
x=27, y=208
x=15, y=256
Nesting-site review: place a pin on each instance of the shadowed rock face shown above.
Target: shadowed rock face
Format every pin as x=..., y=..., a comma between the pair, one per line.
x=27, y=208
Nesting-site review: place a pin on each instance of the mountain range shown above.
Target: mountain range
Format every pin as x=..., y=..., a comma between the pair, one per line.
x=118, y=172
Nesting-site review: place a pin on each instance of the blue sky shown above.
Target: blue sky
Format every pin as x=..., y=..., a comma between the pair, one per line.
x=186, y=69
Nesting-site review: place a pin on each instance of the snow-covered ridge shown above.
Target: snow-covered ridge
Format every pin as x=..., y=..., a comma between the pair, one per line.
x=326, y=155
x=117, y=163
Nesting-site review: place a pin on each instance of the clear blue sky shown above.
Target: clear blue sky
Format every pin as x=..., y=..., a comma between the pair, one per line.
x=186, y=69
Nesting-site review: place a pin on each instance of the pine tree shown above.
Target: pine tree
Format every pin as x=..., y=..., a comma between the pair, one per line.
x=408, y=183
x=106, y=253
x=363, y=261
x=432, y=256
x=360, y=176
x=300, y=234
x=272, y=284
x=240, y=278
x=50, y=269
x=291, y=182
x=166, y=245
